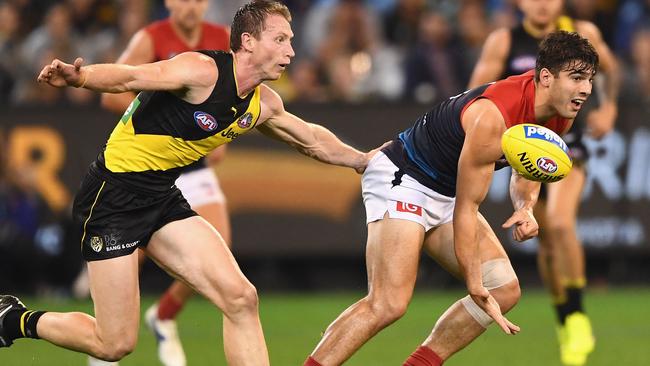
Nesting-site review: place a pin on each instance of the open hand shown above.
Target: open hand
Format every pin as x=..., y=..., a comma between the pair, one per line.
x=369, y=155
x=60, y=74
x=486, y=301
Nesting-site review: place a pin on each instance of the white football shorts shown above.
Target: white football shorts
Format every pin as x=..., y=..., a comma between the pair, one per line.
x=200, y=187
x=409, y=200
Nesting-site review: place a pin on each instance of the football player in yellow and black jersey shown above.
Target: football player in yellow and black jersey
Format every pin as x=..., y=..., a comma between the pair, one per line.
x=561, y=262
x=189, y=105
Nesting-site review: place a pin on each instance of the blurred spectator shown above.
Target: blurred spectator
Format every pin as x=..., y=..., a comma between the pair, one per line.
x=401, y=23
x=9, y=45
x=434, y=65
x=637, y=88
x=31, y=12
x=353, y=58
x=601, y=13
x=503, y=13
x=55, y=38
x=473, y=28
x=131, y=18
x=633, y=15
x=302, y=83
x=94, y=24
x=222, y=11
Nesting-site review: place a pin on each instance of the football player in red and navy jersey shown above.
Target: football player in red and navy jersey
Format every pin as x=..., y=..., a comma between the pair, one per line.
x=560, y=256
x=424, y=190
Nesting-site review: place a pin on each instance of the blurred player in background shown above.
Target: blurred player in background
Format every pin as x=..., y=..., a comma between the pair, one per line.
x=184, y=30
x=424, y=190
x=188, y=106
x=561, y=260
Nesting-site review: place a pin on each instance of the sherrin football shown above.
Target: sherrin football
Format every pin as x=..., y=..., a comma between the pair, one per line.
x=536, y=152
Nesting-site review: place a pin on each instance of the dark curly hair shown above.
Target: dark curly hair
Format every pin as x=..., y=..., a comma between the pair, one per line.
x=250, y=19
x=564, y=51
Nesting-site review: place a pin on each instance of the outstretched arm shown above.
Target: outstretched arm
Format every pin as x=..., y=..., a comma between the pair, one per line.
x=183, y=73
x=309, y=139
x=484, y=127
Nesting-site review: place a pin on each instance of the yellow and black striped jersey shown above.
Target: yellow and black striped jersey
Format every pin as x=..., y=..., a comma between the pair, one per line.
x=160, y=134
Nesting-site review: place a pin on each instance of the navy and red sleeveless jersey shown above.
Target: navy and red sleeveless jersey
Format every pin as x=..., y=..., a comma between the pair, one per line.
x=430, y=149
x=167, y=44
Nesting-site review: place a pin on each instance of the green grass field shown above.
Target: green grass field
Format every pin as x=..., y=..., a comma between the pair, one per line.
x=293, y=324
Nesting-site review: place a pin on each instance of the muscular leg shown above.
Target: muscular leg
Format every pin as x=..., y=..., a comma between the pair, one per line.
x=548, y=264
x=160, y=317
x=562, y=206
x=217, y=215
x=392, y=256
x=113, y=333
x=193, y=251
x=456, y=328
x=568, y=267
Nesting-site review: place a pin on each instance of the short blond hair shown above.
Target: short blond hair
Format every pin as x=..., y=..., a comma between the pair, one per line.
x=250, y=19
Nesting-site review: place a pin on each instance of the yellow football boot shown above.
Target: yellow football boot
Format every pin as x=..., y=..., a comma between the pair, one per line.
x=576, y=340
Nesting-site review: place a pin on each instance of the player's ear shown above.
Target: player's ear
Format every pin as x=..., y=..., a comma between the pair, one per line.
x=247, y=41
x=545, y=77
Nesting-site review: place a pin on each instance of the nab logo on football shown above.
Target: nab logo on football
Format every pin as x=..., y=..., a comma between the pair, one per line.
x=409, y=207
x=547, y=165
x=205, y=121
x=538, y=132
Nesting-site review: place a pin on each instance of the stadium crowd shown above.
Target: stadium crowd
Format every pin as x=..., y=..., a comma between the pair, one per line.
x=346, y=50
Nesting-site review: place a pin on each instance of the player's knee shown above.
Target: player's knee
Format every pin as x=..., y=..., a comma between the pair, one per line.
x=389, y=309
x=243, y=299
x=500, y=278
x=559, y=228
x=115, y=350
x=508, y=295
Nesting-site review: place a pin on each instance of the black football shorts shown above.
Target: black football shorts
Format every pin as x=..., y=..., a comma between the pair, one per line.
x=114, y=220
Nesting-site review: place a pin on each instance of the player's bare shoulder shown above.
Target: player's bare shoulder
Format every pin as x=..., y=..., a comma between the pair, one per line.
x=140, y=49
x=271, y=103
x=484, y=115
x=498, y=42
x=201, y=69
x=588, y=30
x=493, y=58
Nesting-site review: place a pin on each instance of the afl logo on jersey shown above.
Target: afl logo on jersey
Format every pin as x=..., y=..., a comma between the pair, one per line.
x=245, y=120
x=205, y=121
